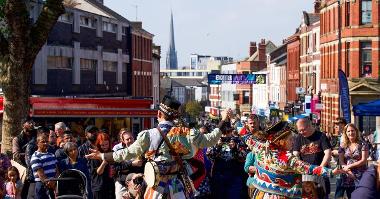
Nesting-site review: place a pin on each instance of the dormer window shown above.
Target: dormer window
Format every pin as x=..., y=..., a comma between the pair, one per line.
x=87, y=22
x=66, y=17
x=109, y=27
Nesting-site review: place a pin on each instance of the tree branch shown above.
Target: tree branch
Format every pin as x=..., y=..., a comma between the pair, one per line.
x=45, y=22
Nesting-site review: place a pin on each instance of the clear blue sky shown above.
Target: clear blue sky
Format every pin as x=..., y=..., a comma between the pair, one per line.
x=214, y=27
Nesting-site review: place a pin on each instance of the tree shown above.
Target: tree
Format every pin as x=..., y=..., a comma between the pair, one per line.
x=193, y=108
x=21, y=39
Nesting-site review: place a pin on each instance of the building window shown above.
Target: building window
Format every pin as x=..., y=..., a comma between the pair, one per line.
x=366, y=12
x=109, y=27
x=366, y=59
x=87, y=22
x=59, y=62
x=88, y=64
x=66, y=17
x=347, y=14
x=245, y=97
x=348, y=46
x=109, y=66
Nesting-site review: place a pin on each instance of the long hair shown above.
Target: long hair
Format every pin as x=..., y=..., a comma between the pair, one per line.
x=14, y=169
x=100, y=139
x=345, y=141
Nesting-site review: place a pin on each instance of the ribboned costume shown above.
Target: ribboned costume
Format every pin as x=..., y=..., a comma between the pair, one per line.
x=184, y=140
x=278, y=172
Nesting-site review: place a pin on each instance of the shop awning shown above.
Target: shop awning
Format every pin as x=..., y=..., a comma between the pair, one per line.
x=89, y=107
x=295, y=118
x=367, y=109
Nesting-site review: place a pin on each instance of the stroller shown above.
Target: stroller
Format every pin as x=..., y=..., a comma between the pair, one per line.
x=71, y=184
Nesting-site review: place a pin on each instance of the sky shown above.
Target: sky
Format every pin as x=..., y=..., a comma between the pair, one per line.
x=214, y=27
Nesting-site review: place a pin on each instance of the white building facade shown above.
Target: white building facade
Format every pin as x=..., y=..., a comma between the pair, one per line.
x=228, y=90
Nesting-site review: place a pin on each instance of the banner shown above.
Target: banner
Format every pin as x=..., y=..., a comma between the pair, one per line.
x=237, y=78
x=344, y=94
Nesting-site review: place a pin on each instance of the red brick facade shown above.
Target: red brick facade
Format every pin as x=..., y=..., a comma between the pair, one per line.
x=293, y=66
x=142, y=63
x=358, y=56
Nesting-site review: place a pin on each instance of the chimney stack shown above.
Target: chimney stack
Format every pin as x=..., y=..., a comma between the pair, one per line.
x=262, y=50
x=317, y=6
x=252, y=48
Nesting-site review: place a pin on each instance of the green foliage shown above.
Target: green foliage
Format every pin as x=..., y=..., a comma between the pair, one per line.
x=4, y=31
x=193, y=108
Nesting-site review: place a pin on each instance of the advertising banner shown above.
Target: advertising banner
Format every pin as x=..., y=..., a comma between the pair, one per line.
x=344, y=94
x=237, y=78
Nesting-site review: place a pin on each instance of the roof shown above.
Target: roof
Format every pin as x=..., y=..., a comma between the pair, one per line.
x=279, y=54
x=269, y=47
x=310, y=18
x=187, y=82
x=93, y=6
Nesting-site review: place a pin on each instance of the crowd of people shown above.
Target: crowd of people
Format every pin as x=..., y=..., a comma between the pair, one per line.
x=231, y=159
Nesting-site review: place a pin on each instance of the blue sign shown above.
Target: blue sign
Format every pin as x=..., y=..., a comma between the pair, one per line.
x=344, y=93
x=237, y=78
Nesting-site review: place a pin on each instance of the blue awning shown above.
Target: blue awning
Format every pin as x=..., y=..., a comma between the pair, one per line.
x=295, y=118
x=367, y=109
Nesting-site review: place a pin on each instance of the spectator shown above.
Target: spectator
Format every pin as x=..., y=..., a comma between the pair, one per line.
x=53, y=140
x=91, y=133
x=253, y=124
x=369, y=185
x=136, y=186
x=249, y=167
x=102, y=181
x=313, y=147
x=339, y=125
x=59, y=128
x=13, y=186
x=376, y=143
x=124, y=168
x=5, y=163
x=67, y=137
x=228, y=168
x=29, y=185
x=72, y=161
x=353, y=155
x=44, y=165
x=19, y=143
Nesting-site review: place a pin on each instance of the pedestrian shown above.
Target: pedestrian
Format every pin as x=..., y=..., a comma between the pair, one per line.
x=277, y=170
x=122, y=169
x=72, y=161
x=13, y=186
x=183, y=141
x=44, y=165
x=249, y=167
x=135, y=186
x=67, y=137
x=5, y=163
x=314, y=148
x=353, y=154
x=369, y=185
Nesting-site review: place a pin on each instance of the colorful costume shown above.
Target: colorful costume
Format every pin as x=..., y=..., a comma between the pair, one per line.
x=278, y=172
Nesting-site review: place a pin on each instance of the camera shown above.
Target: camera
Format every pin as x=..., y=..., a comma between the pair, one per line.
x=138, y=180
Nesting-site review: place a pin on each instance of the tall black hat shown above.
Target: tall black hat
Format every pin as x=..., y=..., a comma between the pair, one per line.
x=169, y=106
x=278, y=131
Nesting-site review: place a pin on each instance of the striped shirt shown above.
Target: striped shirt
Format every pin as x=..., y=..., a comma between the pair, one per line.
x=46, y=161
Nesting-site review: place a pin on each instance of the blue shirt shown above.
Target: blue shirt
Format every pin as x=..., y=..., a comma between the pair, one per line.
x=45, y=161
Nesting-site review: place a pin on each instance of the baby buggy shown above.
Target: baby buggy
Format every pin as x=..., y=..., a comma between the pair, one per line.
x=71, y=184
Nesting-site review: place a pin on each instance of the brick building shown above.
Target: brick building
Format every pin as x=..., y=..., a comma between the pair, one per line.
x=293, y=67
x=257, y=61
x=350, y=41
x=277, y=77
x=141, y=63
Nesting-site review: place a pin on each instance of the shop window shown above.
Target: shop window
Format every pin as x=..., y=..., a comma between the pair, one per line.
x=366, y=12
x=245, y=97
x=59, y=62
x=366, y=59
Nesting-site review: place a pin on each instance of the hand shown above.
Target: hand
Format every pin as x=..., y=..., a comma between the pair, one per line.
x=226, y=114
x=346, y=168
x=50, y=184
x=251, y=169
x=337, y=171
x=137, y=163
x=94, y=155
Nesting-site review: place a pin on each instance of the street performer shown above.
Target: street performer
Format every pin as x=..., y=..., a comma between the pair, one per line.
x=278, y=172
x=184, y=142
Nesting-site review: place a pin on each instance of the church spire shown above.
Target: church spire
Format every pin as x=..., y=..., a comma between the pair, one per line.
x=171, y=57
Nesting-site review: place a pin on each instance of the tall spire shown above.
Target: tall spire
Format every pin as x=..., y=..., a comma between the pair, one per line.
x=171, y=57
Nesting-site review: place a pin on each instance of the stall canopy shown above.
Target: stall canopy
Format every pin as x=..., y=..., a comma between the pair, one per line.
x=367, y=109
x=295, y=118
x=89, y=107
